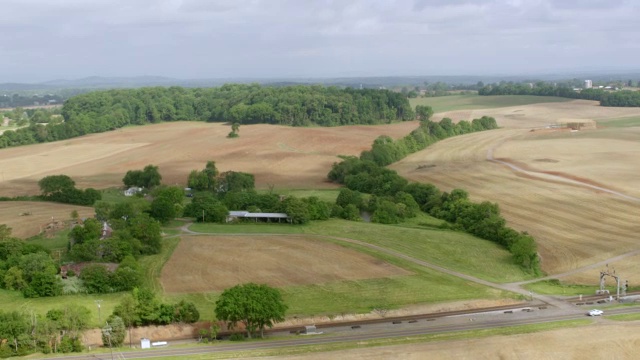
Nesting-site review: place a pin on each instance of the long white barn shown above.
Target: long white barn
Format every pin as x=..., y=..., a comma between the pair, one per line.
x=236, y=215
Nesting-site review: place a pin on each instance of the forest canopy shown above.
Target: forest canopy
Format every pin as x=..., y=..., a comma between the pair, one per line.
x=236, y=103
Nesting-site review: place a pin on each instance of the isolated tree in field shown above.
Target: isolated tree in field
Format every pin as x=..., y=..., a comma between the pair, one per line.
x=235, y=129
x=253, y=305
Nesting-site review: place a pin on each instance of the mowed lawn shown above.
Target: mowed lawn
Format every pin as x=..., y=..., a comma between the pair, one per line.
x=470, y=102
x=450, y=249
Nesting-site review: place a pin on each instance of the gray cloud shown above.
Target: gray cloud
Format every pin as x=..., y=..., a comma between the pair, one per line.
x=46, y=39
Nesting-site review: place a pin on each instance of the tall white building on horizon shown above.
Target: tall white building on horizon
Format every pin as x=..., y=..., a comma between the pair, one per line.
x=588, y=84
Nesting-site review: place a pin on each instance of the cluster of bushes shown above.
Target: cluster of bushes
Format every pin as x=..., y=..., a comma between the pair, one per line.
x=624, y=98
x=247, y=104
x=62, y=189
x=97, y=279
x=142, y=308
x=56, y=332
x=27, y=267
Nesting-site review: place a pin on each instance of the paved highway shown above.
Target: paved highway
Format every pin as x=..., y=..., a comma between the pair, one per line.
x=339, y=334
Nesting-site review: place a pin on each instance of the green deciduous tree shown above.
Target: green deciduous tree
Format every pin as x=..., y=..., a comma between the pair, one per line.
x=55, y=184
x=148, y=177
x=255, y=306
x=206, y=208
x=5, y=232
x=113, y=336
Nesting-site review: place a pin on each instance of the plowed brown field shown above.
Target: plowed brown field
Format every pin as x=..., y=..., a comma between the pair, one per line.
x=214, y=263
x=278, y=155
x=574, y=225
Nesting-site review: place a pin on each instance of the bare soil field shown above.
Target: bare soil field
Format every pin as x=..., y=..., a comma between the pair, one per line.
x=282, y=156
x=607, y=340
x=574, y=225
x=30, y=218
x=214, y=263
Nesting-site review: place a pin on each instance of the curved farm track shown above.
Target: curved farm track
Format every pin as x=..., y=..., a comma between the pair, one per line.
x=574, y=223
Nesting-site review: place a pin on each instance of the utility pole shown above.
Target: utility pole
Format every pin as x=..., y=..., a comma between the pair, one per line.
x=98, y=302
x=107, y=331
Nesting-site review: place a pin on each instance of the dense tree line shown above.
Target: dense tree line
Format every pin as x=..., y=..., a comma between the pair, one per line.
x=243, y=104
x=57, y=332
x=17, y=100
x=625, y=98
x=392, y=199
x=385, y=150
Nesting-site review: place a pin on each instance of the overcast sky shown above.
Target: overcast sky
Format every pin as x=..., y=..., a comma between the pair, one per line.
x=54, y=39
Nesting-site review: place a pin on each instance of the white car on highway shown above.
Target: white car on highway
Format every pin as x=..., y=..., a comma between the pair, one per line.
x=596, y=312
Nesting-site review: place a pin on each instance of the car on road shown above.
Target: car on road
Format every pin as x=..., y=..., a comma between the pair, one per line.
x=595, y=312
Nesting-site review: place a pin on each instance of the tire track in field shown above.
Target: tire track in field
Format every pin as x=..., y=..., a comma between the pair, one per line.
x=542, y=175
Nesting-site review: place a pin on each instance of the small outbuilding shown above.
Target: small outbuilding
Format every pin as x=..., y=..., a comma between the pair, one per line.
x=145, y=343
x=132, y=191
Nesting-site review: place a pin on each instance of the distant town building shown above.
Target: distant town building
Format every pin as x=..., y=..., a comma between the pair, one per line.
x=588, y=84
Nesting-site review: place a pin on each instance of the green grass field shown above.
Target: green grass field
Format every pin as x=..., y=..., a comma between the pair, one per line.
x=554, y=287
x=470, y=102
x=151, y=265
x=451, y=249
x=620, y=122
x=624, y=317
x=13, y=300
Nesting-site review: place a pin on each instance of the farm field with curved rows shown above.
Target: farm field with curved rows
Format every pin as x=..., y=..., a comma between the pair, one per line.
x=546, y=182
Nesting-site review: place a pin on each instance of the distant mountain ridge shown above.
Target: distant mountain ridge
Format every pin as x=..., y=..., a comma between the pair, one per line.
x=99, y=82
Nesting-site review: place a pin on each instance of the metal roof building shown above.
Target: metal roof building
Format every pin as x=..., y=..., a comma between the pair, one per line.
x=235, y=215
